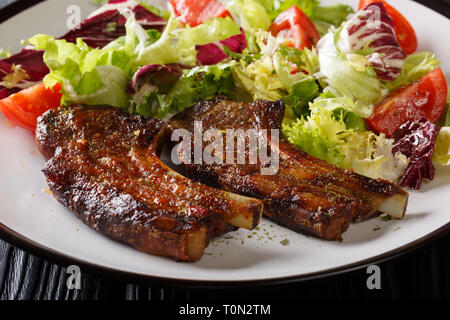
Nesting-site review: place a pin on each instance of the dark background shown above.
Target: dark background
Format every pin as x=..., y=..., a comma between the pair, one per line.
x=423, y=273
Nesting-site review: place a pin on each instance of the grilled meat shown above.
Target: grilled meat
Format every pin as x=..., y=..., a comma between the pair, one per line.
x=103, y=164
x=306, y=194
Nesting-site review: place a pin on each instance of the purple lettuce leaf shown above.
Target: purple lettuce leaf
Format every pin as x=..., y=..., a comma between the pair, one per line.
x=416, y=139
x=100, y=29
x=372, y=27
x=31, y=61
x=213, y=53
x=155, y=75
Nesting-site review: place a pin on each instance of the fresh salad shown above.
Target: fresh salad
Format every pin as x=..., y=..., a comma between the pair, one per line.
x=357, y=93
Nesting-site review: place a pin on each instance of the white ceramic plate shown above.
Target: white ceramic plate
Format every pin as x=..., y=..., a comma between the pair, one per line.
x=31, y=217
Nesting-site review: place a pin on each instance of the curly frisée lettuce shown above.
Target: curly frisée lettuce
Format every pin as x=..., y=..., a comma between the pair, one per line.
x=258, y=79
x=270, y=77
x=318, y=135
x=326, y=136
x=372, y=155
x=257, y=76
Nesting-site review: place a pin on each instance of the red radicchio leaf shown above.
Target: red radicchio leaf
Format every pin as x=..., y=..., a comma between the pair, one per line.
x=416, y=139
x=213, y=53
x=4, y=93
x=372, y=26
x=30, y=61
x=96, y=31
x=100, y=29
x=158, y=74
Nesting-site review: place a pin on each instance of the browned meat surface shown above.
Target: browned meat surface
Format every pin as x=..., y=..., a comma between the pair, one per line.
x=103, y=164
x=306, y=194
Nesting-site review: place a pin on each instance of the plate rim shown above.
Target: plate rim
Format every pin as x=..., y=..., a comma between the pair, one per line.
x=14, y=8
x=58, y=257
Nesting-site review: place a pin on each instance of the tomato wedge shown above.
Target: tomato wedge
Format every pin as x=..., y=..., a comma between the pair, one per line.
x=425, y=98
x=23, y=108
x=195, y=12
x=295, y=24
x=405, y=33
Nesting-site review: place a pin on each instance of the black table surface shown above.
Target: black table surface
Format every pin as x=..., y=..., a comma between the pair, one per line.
x=423, y=273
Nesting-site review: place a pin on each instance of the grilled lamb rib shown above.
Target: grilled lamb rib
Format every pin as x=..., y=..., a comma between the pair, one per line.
x=104, y=165
x=306, y=194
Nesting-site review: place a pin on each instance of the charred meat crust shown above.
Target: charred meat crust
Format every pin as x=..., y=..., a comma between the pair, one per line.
x=108, y=210
x=104, y=165
x=307, y=194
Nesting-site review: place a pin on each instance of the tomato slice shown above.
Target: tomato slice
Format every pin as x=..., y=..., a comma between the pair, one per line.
x=295, y=24
x=23, y=108
x=195, y=12
x=405, y=33
x=424, y=99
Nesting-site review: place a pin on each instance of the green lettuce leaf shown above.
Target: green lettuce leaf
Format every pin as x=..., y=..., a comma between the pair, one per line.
x=93, y=76
x=199, y=83
x=447, y=113
x=442, y=147
x=275, y=7
x=444, y=119
x=333, y=15
x=301, y=93
x=352, y=120
x=355, y=81
x=177, y=42
x=5, y=54
x=415, y=66
x=202, y=83
x=87, y=75
x=323, y=16
x=249, y=14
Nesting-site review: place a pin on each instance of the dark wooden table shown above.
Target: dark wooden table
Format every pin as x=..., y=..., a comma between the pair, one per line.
x=422, y=273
